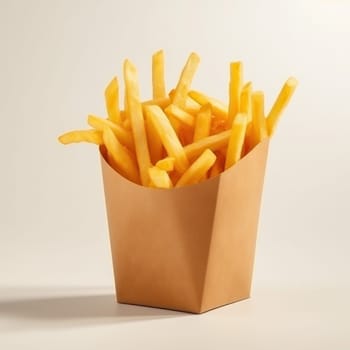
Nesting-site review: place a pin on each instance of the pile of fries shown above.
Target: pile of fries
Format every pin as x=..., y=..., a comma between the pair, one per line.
x=182, y=137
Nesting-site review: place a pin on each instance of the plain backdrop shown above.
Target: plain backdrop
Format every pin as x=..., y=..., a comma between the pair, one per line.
x=56, y=59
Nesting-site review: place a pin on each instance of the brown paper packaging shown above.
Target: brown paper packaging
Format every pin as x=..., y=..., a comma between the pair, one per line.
x=190, y=248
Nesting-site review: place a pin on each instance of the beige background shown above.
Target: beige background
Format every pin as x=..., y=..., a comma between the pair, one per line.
x=56, y=281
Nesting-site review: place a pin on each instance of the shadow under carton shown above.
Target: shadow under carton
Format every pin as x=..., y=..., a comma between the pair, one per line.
x=190, y=248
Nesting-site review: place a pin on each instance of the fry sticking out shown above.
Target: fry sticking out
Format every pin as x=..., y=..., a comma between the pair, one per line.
x=184, y=84
x=112, y=101
x=158, y=82
x=236, y=142
x=236, y=79
x=137, y=121
x=280, y=104
x=75, y=136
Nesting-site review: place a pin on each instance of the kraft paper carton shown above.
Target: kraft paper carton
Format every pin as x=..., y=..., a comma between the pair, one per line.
x=190, y=248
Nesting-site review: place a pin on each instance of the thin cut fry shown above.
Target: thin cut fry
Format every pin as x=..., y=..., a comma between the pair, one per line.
x=192, y=106
x=236, y=142
x=218, y=108
x=120, y=156
x=158, y=83
x=280, y=104
x=183, y=86
x=122, y=135
x=203, y=123
x=159, y=178
x=154, y=142
x=112, y=101
x=137, y=121
x=168, y=136
x=197, y=171
x=213, y=142
x=91, y=136
x=236, y=79
x=245, y=100
x=258, y=118
x=161, y=102
x=166, y=164
x=219, y=165
x=180, y=114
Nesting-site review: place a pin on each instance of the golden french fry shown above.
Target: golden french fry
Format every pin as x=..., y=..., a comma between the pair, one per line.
x=159, y=178
x=137, y=120
x=161, y=102
x=180, y=114
x=203, y=123
x=127, y=123
x=236, y=142
x=218, y=108
x=258, y=118
x=236, y=79
x=90, y=136
x=183, y=86
x=154, y=142
x=245, y=100
x=122, y=135
x=213, y=142
x=121, y=158
x=166, y=164
x=249, y=139
x=168, y=136
x=191, y=106
x=219, y=165
x=280, y=104
x=112, y=101
x=198, y=169
x=158, y=83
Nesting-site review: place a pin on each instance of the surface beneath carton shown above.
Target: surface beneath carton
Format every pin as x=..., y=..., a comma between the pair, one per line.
x=88, y=318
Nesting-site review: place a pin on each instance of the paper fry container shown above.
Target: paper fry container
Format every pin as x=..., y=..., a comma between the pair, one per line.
x=190, y=248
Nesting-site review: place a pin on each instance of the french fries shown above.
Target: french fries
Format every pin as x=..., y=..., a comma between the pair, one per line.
x=137, y=120
x=168, y=136
x=112, y=101
x=236, y=141
x=167, y=164
x=75, y=136
x=159, y=178
x=203, y=123
x=183, y=136
x=198, y=169
x=184, y=84
x=280, y=104
x=120, y=158
x=122, y=135
x=158, y=83
x=235, y=86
